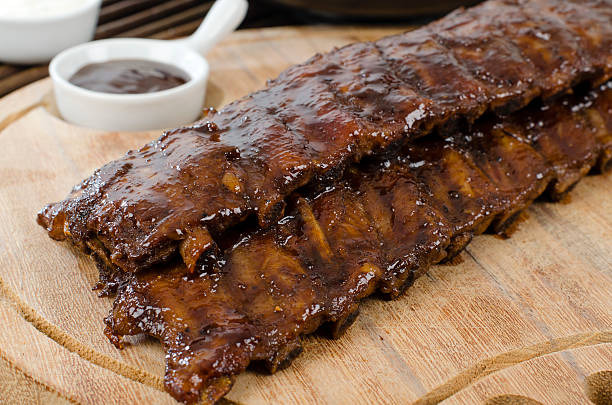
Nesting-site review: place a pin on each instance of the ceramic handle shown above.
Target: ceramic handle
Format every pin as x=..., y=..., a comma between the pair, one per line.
x=222, y=19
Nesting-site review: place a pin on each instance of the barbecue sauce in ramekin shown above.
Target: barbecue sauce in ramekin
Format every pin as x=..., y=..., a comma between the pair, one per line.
x=129, y=76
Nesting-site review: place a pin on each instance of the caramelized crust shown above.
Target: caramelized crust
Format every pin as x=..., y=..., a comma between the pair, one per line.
x=181, y=193
x=379, y=228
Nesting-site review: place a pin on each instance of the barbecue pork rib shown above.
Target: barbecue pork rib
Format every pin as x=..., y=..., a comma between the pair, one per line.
x=182, y=192
x=379, y=228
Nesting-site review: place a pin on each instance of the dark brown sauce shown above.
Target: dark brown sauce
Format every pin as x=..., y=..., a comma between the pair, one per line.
x=129, y=76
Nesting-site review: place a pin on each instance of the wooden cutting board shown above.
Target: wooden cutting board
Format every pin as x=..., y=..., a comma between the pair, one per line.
x=524, y=319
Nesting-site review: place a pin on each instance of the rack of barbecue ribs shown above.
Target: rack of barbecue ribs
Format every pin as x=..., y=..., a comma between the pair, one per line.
x=379, y=228
x=350, y=173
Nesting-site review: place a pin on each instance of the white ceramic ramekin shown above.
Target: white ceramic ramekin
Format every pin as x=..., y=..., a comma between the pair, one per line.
x=37, y=39
x=130, y=112
x=136, y=112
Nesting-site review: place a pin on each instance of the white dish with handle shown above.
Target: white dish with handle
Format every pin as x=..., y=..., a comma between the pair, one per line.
x=134, y=112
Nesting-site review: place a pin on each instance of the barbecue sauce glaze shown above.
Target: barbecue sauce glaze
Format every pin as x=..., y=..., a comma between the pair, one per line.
x=129, y=76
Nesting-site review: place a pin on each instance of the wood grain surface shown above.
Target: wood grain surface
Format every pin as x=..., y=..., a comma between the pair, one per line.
x=525, y=320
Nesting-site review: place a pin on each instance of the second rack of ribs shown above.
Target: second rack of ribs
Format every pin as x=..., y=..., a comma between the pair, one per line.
x=378, y=230
x=307, y=125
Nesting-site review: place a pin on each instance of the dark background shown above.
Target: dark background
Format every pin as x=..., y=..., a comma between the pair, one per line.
x=165, y=19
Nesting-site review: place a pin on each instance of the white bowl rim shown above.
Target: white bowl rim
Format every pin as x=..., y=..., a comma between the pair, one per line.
x=57, y=78
x=53, y=17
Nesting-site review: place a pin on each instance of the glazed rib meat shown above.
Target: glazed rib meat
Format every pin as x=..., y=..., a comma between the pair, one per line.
x=379, y=228
x=181, y=193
